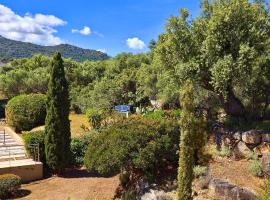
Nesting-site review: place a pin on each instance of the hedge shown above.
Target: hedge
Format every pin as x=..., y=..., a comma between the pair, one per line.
x=35, y=138
x=9, y=184
x=25, y=112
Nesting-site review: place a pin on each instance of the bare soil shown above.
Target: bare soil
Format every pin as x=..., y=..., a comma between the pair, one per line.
x=235, y=172
x=76, y=184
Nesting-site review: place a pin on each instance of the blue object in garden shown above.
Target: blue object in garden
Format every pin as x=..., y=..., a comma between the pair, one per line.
x=122, y=109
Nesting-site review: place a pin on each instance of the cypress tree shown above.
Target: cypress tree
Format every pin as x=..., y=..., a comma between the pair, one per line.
x=57, y=124
x=192, y=132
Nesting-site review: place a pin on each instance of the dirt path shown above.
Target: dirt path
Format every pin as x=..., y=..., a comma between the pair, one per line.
x=235, y=172
x=75, y=185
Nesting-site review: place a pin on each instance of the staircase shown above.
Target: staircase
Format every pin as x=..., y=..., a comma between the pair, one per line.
x=14, y=159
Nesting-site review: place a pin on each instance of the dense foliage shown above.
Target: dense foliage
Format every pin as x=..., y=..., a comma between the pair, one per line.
x=78, y=148
x=25, y=112
x=33, y=140
x=10, y=49
x=225, y=51
x=139, y=146
x=57, y=129
x=9, y=184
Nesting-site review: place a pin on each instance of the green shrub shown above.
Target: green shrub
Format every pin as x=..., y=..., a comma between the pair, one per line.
x=137, y=145
x=155, y=115
x=255, y=168
x=78, y=148
x=265, y=194
x=25, y=112
x=252, y=155
x=94, y=117
x=199, y=171
x=35, y=138
x=9, y=184
x=224, y=152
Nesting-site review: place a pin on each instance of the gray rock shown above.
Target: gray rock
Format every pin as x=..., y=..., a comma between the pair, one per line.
x=239, y=193
x=252, y=137
x=224, y=190
x=266, y=165
x=241, y=150
x=237, y=136
x=266, y=137
x=220, y=188
x=155, y=195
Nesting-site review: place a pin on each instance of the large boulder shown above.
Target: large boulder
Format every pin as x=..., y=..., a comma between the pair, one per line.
x=252, y=137
x=262, y=149
x=266, y=137
x=222, y=189
x=241, y=150
x=266, y=165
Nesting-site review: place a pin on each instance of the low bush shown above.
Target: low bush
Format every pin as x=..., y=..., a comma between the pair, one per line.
x=265, y=194
x=9, y=184
x=32, y=139
x=95, y=117
x=199, y=171
x=136, y=145
x=255, y=168
x=78, y=148
x=224, y=152
x=25, y=112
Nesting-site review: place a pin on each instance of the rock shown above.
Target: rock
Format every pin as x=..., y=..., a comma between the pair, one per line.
x=252, y=137
x=262, y=149
x=266, y=137
x=239, y=193
x=241, y=150
x=266, y=165
x=155, y=195
x=222, y=189
x=237, y=136
x=219, y=188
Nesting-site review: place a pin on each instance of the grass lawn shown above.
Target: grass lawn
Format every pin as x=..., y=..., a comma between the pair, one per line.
x=76, y=122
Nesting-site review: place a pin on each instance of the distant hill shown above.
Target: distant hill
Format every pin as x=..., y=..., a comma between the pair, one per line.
x=10, y=49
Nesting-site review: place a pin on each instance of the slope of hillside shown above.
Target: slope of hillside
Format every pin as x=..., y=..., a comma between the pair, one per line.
x=10, y=49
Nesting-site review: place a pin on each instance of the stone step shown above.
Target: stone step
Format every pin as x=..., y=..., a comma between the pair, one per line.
x=2, y=148
x=13, y=157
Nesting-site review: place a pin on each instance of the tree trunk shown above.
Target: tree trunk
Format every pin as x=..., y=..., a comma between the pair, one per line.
x=232, y=105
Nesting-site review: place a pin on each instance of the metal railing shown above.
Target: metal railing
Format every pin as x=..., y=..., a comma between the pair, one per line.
x=34, y=149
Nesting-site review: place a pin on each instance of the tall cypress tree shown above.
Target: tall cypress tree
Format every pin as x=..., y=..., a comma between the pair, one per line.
x=191, y=140
x=57, y=138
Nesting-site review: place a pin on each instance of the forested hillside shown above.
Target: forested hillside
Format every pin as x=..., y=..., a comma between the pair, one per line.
x=10, y=49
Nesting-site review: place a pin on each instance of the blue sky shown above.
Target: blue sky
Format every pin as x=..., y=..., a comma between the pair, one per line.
x=101, y=24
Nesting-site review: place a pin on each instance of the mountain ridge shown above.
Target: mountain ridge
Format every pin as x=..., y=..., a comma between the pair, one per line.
x=12, y=49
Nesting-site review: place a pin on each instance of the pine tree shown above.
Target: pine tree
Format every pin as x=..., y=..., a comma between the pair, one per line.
x=192, y=134
x=57, y=138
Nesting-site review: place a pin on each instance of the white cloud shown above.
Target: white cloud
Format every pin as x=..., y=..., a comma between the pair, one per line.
x=38, y=29
x=102, y=50
x=85, y=31
x=135, y=43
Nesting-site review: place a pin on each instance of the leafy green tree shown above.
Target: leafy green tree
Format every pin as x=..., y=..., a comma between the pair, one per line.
x=191, y=140
x=57, y=138
x=225, y=50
